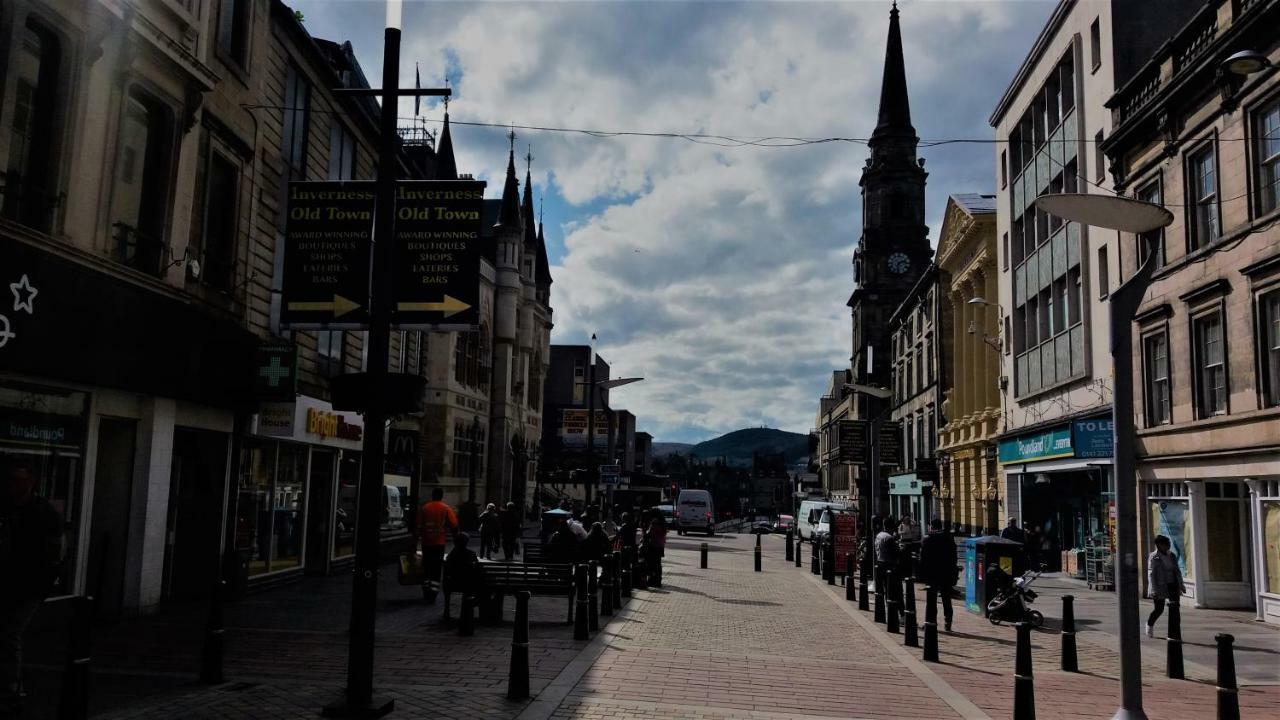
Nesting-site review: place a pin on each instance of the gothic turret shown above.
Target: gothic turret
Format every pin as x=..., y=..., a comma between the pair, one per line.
x=509, y=215
x=446, y=166
x=526, y=208
x=544, y=267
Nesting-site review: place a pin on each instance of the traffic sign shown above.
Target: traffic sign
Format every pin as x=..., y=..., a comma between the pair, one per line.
x=610, y=474
x=327, y=243
x=437, y=254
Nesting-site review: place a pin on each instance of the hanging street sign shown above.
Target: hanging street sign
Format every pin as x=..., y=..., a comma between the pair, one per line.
x=327, y=247
x=437, y=254
x=891, y=442
x=853, y=442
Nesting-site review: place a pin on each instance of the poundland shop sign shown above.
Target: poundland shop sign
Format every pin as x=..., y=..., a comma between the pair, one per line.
x=1080, y=438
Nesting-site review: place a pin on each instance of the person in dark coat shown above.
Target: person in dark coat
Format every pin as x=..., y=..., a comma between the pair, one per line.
x=938, y=565
x=562, y=548
x=30, y=557
x=489, y=530
x=597, y=545
x=510, y=528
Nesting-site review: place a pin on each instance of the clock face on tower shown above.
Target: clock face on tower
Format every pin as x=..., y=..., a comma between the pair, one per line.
x=899, y=263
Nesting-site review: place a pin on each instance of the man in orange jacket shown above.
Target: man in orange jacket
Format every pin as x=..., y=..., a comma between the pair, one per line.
x=436, y=522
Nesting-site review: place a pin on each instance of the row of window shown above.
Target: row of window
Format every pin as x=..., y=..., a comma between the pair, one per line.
x=468, y=449
x=919, y=436
x=1209, y=375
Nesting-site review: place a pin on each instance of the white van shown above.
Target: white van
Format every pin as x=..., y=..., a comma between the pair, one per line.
x=810, y=516
x=695, y=510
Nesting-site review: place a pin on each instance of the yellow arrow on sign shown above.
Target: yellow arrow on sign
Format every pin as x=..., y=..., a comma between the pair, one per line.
x=450, y=306
x=339, y=306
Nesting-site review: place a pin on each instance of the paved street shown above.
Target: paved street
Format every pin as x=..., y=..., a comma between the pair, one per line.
x=725, y=642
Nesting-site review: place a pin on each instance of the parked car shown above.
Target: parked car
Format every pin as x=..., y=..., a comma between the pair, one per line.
x=695, y=511
x=784, y=523
x=762, y=527
x=668, y=514
x=811, y=514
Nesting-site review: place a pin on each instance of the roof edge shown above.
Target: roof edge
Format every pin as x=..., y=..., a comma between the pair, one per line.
x=1033, y=56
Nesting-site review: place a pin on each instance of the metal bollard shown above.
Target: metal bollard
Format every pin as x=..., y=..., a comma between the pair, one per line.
x=799, y=548
x=1228, y=693
x=606, y=585
x=593, y=597
x=74, y=704
x=214, y=638
x=615, y=559
x=790, y=550
x=704, y=556
x=1024, y=692
x=864, y=602
x=467, y=620
x=757, y=555
x=930, y=624
x=581, y=623
x=1069, y=663
x=879, y=610
x=850, y=593
x=758, y=539
x=518, y=676
x=892, y=602
x=813, y=557
x=1173, y=649
x=829, y=563
x=625, y=562
x=909, y=636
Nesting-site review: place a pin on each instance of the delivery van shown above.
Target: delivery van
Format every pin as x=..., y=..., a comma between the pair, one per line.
x=810, y=515
x=695, y=510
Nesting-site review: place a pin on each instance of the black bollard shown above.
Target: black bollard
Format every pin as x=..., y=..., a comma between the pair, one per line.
x=625, y=562
x=758, y=539
x=467, y=620
x=518, y=676
x=593, y=597
x=615, y=559
x=813, y=557
x=879, y=616
x=606, y=585
x=1024, y=693
x=74, y=704
x=581, y=623
x=892, y=602
x=214, y=637
x=909, y=636
x=829, y=563
x=1069, y=663
x=850, y=593
x=864, y=602
x=757, y=555
x=798, y=553
x=1173, y=649
x=704, y=556
x=790, y=550
x=930, y=624
x=1228, y=693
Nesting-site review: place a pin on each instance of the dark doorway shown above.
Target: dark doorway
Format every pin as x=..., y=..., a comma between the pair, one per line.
x=1067, y=508
x=109, y=527
x=194, y=530
x=320, y=519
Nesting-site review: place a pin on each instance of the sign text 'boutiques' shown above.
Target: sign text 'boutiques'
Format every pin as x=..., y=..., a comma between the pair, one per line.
x=437, y=267
x=327, y=246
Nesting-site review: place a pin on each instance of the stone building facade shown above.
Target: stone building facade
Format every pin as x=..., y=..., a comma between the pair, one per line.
x=971, y=490
x=1205, y=143
x=835, y=406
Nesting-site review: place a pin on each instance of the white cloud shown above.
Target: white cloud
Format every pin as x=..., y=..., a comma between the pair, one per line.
x=720, y=275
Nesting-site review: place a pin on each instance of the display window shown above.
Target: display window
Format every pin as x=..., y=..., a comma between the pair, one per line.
x=1172, y=518
x=1271, y=544
x=271, y=505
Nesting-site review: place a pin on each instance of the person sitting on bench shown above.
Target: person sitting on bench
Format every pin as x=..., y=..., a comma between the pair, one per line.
x=461, y=570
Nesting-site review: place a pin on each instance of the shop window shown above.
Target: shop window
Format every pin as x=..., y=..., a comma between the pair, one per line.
x=1172, y=518
x=28, y=186
x=1223, y=527
x=234, y=23
x=1155, y=365
x=1269, y=347
x=1268, y=154
x=215, y=221
x=271, y=506
x=1210, y=365
x=344, y=525
x=330, y=347
x=1271, y=544
x=140, y=200
x=1202, y=191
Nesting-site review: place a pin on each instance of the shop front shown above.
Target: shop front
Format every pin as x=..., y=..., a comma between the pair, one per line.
x=1059, y=484
x=295, y=500
x=908, y=496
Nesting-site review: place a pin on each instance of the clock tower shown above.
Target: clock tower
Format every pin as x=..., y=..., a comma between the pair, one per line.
x=893, y=250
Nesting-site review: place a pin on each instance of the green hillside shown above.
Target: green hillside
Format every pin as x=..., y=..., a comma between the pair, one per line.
x=737, y=447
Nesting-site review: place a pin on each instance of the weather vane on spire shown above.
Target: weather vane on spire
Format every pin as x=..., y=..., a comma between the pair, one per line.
x=446, y=97
x=528, y=158
x=512, y=137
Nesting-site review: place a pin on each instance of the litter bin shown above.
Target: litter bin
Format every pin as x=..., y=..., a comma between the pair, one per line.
x=979, y=552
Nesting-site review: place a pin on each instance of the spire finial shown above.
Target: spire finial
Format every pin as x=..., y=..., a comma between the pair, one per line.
x=512, y=137
x=540, y=201
x=446, y=97
x=528, y=158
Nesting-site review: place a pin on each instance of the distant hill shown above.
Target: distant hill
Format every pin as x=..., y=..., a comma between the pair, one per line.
x=663, y=449
x=737, y=447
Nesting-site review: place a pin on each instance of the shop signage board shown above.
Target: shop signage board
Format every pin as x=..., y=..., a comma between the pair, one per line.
x=891, y=443
x=310, y=420
x=908, y=484
x=853, y=442
x=844, y=533
x=327, y=252
x=1053, y=442
x=1093, y=438
x=275, y=377
x=26, y=427
x=573, y=427
x=437, y=254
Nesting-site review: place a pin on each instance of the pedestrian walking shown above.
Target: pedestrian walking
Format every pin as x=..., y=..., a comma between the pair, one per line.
x=655, y=547
x=436, y=522
x=627, y=532
x=490, y=529
x=30, y=557
x=510, y=527
x=886, y=545
x=1013, y=532
x=938, y=565
x=1164, y=580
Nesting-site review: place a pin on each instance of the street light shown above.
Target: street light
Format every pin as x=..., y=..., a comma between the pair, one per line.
x=1246, y=63
x=996, y=343
x=1131, y=216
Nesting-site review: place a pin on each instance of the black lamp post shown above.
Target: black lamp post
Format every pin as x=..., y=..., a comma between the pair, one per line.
x=473, y=435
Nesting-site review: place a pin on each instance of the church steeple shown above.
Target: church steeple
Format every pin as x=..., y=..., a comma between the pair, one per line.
x=530, y=235
x=544, y=267
x=509, y=216
x=895, y=108
x=446, y=166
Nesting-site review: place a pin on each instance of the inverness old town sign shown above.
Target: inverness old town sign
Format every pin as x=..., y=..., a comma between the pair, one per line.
x=436, y=255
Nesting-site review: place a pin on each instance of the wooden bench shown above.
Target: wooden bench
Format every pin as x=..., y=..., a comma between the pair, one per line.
x=499, y=579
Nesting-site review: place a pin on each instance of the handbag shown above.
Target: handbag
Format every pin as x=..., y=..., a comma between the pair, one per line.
x=411, y=572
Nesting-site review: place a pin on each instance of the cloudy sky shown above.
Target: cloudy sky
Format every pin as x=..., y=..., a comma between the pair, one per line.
x=719, y=274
